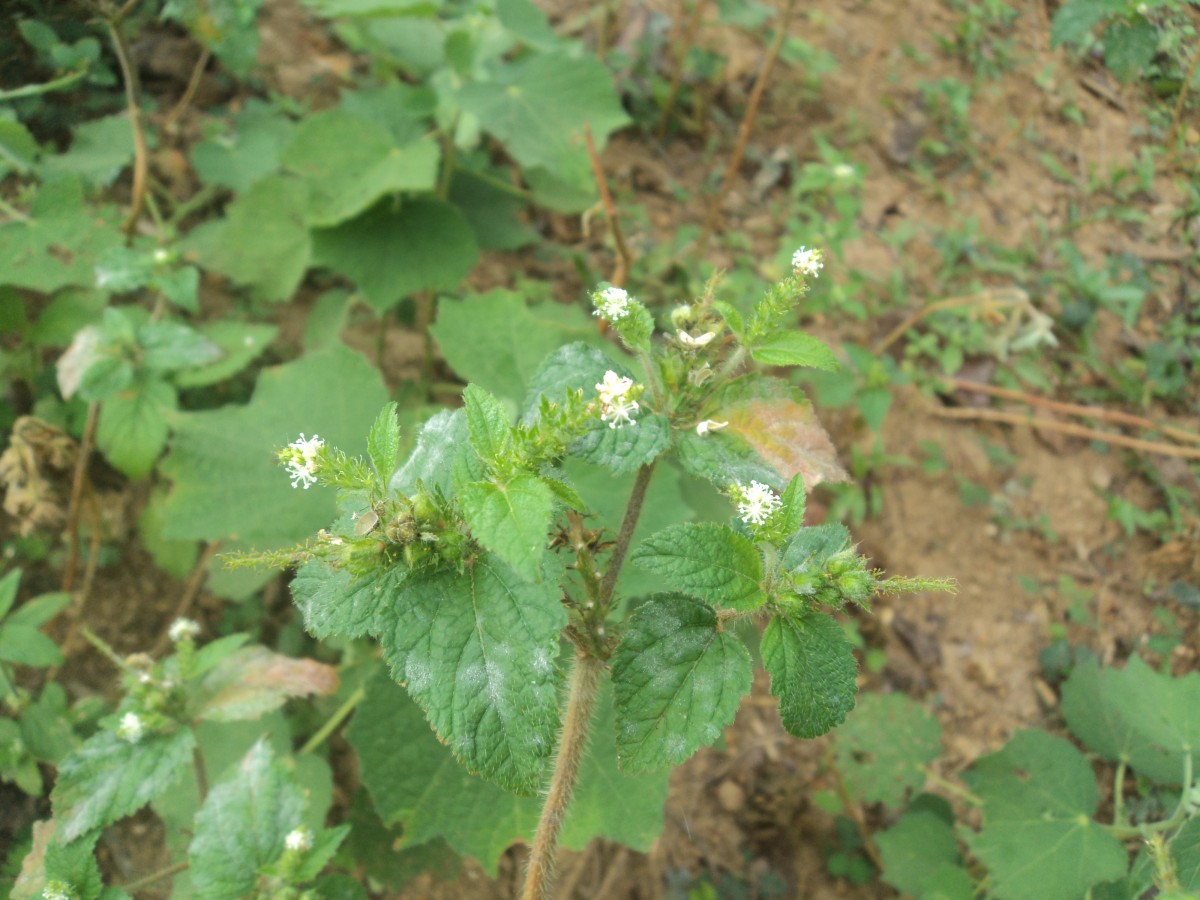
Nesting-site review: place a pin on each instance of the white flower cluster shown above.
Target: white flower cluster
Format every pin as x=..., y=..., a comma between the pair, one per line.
x=299, y=840
x=58, y=890
x=615, y=402
x=612, y=303
x=757, y=504
x=131, y=728
x=806, y=261
x=694, y=343
x=183, y=629
x=301, y=460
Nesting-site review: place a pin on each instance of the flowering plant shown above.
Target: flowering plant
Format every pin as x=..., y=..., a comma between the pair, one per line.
x=474, y=564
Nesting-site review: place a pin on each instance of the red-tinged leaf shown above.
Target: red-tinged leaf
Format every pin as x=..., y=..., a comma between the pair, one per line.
x=32, y=878
x=255, y=681
x=779, y=423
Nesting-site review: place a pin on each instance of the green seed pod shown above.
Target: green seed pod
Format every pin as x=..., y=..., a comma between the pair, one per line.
x=401, y=529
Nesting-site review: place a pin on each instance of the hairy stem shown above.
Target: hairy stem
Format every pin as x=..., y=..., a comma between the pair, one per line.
x=580, y=702
x=633, y=511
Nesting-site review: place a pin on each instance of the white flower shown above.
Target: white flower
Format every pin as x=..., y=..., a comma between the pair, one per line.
x=709, y=425
x=807, y=262
x=843, y=170
x=161, y=255
x=299, y=840
x=58, y=890
x=693, y=342
x=131, y=728
x=612, y=303
x=183, y=629
x=757, y=504
x=300, y=457
x=615, y=402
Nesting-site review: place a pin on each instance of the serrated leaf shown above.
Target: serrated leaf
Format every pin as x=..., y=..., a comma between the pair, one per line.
x=383, y=442
x=724, y=460
x=394, y=251
x=626, y=449
x=442, y=441
x=255, y=680
x=134, y=425
x=333, y=602
x=678, y=678
x=813, y=672
x=50, y=858
x=477, y=650
x=709, y=560
x=794, y=348
x=240, y=344
x=1038, y=838
x=882, y=750
x=811, y=547
x=348, y=176
x=793, y=503
x=248, y=151
x=227, y=481
x=180, y=286
x=168, y=346
x=108, y=778
x=487, y=424
x=124, y=269
x=1129, y=47
x=573, y=366
x=242, y=826
x=411, y=777
x=511, y=518
x=496, y=341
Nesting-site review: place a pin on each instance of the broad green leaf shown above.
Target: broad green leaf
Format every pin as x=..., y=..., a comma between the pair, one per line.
x=263, y=243
x=26, y=646
x=8, y=591
x=487, y=424
x=811, y=547
x=46, y=726
x=1038, y=838
x=539, y=106
x=333, y=602
x=247, y=151
x=394, y=251
x=242, y=826
x=626, y=449
x=134, y=425
x=52, y=858
x=108, y=778
x=335, y=8
x=122, y=269
x=168, y=346
x=477, y=650
x=1129, y=47
x=383, y=443
x=511, y=518
x=1074, y=20
x=723, y=460
x=405, y=110
x=493, y=213
x=58, y=218
x=708, y=560
x=240, y=344
x=18, y=149
x=226, y=479
x=917, y=852
x=68, y=312
x=678, y=678
x=883, y=748
x=794, y=348
x=99, y=150
x=441, y=442
x=813, y=672
x=1136, y=714
x=180, y=286
x=411, y=777
x=37, y=612
x=226, y=27
x=496, y=341
x=347, y=175
x=255, y=680
x=574, y=366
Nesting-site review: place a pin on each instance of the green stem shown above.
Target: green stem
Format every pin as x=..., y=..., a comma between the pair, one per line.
x=9, y=210
x=581, y=700
x=154, y=877
x=32, y=90
x=1119, y=818
x=950, y=787
x=334, y=721
x=637, y=496
x=652, y=379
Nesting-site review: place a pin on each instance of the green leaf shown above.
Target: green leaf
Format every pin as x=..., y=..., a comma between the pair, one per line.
x=794, y=501
x=255, y=680
x=496, y=341
x=37, y=612
x=626, y=449
x=1074, y=20
x=222, y=462
x=122, y=269
x=708, y=560
x=477, y=650
x=181, y=286
x=51, y=858
x=108, y=778
x=493, y=212
x=392, y=252
x=263, y=243
x=242, y=826
x=383, y=442
x=678, y=678
x=920, y=851
x=168, y=346
x=723, y=460
x=26, y=646
x=333, y=602
x=882, y=750
x=813, y=672
x=248, y=151
x=18, y=149
x=1129, y=47
x=239, y=342
x=1038, y=838
x=487, y=424
x=511, y=518
x=441, y=443
x=8, y=591
x=794, y=348
x=810, y=548
x=348, y=176
x=99, y=151
x=572, y=366
x=134, y=425
x=1137, y=715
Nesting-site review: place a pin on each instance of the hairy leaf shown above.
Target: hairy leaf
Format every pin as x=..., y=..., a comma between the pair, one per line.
x=255, y=680
x=443, y=447
x=708, y=560
x=134, y=425
x=383, y=442
x=794, y=348
x=883, y=748
x=623, y=450
x=724, y=459
x=510, y=518
x=487, y=424
x=813, y=671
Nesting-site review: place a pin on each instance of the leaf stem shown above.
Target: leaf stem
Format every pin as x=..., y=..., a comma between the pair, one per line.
x=32, y=90
x=1119, y=818
x=334, y=721
x=144, y=882
x=952, y=788
x=581, y=700
x=637, y=496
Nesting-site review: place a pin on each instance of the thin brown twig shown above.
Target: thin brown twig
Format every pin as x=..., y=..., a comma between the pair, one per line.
x=191, y=590
x=744, y=129
x=141, y=153
x=75, y=625
x=684, y=47
x=78, y=480
x=610, y=210
x=189, y=93
x=1092, y=434
x=992, y=297
x=1177, y=116
x=1074, y=409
